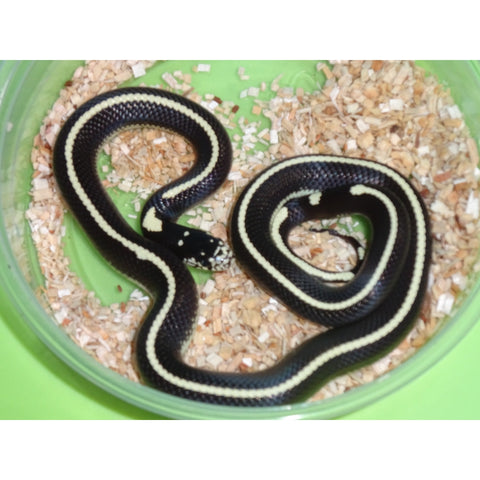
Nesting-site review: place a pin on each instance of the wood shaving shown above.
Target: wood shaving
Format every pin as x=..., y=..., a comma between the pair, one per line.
x=386, y=111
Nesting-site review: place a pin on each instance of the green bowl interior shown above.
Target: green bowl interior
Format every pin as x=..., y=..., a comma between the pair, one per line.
x=27, y=91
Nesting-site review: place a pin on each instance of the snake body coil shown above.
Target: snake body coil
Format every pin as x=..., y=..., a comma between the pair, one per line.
x=369, y=312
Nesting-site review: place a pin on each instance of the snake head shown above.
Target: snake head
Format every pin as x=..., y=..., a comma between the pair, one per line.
x=195, y=247
x=211, y=253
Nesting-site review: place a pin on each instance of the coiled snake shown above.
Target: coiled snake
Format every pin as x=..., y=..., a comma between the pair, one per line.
x=370, y=311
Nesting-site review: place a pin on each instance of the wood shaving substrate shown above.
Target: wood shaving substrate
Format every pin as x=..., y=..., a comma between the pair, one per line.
x=386, y=111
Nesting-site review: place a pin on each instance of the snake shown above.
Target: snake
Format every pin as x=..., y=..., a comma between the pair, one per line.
x=367, y=311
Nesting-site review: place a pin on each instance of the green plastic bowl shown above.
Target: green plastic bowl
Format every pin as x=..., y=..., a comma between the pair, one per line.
x=27, y=91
